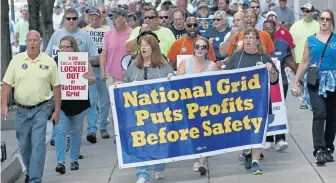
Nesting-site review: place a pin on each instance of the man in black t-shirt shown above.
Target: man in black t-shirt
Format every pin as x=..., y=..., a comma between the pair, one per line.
x=178, y=24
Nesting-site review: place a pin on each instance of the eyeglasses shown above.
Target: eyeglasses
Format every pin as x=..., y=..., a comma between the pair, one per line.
x=254, y=7
x=71, y=18
x=306, y=11
x=201, y=47
x=149, y=17
x=145, y=73
x=217, y=19
x=163, y=17
x=64, y=47
x=192, y=25
x=325, y=19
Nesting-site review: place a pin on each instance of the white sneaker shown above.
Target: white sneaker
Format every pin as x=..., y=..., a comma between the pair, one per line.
x=141, y=180
x=281, y=145
x=196, y=166
x=159, y=176
x=268, y=145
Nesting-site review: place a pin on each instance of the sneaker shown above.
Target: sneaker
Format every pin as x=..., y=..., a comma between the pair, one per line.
x=159, y=176
x=320, y=157
x=52, y=142
x=104, y=134
x=256, y=170
x=60, y=168
x=248, y=160
x=281, y=145
x=196, y=166
x=141, y=180
x=328, y=155
x=80, y=156
x=268, y=145
x=202, y=169
x=74, y=165
x=26, y=179
x=91, y=137
x=241, y=157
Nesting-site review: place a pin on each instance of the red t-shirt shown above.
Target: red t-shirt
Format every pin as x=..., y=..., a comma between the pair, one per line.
x=285, y=35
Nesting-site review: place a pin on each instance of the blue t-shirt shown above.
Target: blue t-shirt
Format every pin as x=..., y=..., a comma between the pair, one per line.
x=83, y=39
x=218, y=39
x=315, y=51
x=281, y=52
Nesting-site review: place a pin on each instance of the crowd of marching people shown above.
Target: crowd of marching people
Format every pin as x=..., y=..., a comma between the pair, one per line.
x=219, y=34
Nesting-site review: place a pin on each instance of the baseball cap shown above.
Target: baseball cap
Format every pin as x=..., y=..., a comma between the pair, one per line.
x=308, y=6
x=202, y=5
x=119, y=12
x=271, y=13
x=95, y=12
x=57, y=7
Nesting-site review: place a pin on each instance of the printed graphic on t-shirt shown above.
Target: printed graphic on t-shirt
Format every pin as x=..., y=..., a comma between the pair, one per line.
x=55, y=51
x=97, y=36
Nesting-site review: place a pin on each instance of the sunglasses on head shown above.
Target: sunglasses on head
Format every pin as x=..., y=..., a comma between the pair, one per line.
x=325, y=19
x=163, y=17
x=149, y=17
x=71, y=18
x=201, y=47
x=192, y=25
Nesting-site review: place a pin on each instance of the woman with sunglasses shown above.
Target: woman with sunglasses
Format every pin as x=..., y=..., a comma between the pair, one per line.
x=71, y=117
x=250, y=54
x=319, y=58
x=149, y=64
x=199, y=62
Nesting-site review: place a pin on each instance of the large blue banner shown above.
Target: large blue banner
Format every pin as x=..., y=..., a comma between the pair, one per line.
x=191, y=116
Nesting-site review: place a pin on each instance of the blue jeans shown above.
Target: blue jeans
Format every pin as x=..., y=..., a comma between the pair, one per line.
x=142, y=171
x=22, y=48
x=31, y=126
x=75, y=126
x=98, y=90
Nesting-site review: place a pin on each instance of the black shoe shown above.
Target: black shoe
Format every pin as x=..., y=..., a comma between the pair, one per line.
x=262, y=156
x=104, y=134
x=328, y=155
x=81, y=156
x=248, y=160
x=60, y=168
x=27, y=179
x=74, y=165
x=52, y=142
x=320, y=157
x=91, y=137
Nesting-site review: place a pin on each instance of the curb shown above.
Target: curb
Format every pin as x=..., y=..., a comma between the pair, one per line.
x=11, y=170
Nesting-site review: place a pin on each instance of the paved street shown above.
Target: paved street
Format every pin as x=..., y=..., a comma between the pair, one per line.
x=296, y=165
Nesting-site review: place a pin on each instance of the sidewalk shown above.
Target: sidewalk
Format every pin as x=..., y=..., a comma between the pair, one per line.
x=296, y=165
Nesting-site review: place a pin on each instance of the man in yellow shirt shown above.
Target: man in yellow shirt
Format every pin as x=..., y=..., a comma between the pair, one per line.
x=31, y=73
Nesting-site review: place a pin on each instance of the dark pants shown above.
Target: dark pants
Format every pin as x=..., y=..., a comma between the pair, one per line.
x=279, y=136
x=324, y=119
x=22, y=48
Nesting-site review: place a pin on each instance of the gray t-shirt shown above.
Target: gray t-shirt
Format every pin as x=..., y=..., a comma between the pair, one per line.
x=134, y=73
x=285, y=14
x=84, y=41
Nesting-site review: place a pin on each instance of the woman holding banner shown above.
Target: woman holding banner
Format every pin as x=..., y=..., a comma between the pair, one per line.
x=319, y=60
x=252, y=53
x=149, y=64
x=71, y=117
x=199, y=62
x=282, y=53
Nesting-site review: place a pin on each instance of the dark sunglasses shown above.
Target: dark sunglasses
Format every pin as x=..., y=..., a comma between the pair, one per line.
x=71, y=18
x=217, y=19
x=163, y=17
x=192, y=25
x=201, y=47
x=325, y=19
x=306, y=11
x=145, y=73
x=254, y=7
x=149, y=17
